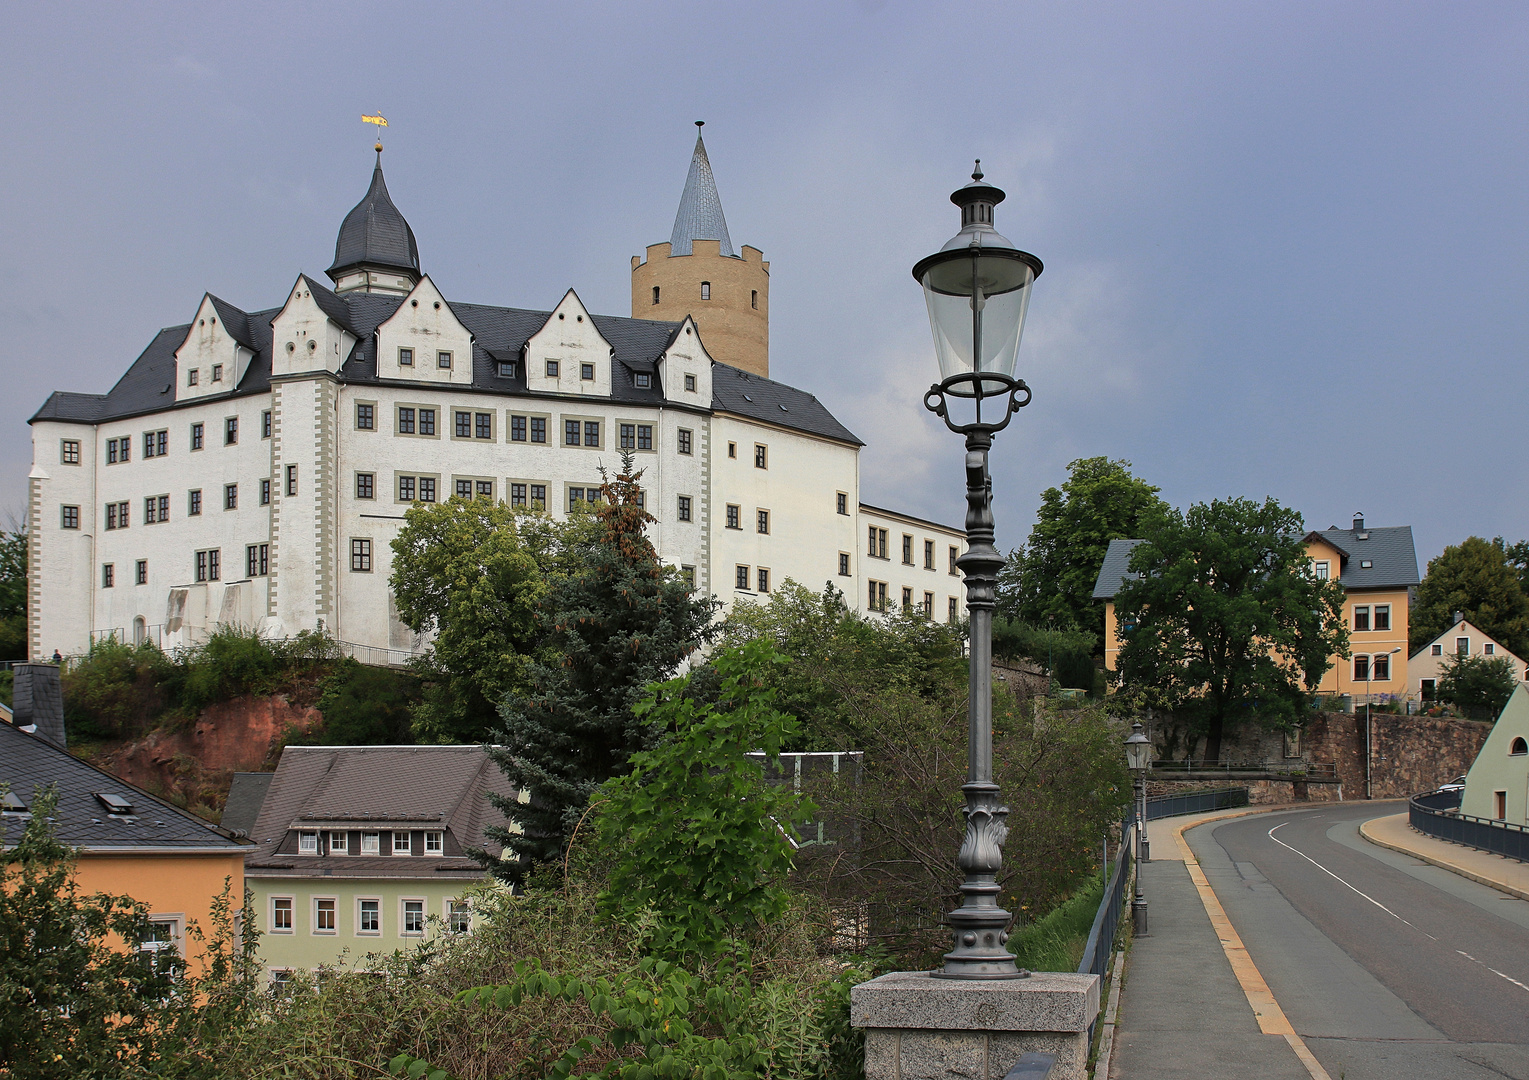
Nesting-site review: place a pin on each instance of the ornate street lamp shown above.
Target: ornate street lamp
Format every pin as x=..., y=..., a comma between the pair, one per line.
x=1139, y=760
x=978, y=289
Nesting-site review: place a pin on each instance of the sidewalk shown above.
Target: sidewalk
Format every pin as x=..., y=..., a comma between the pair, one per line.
x=1505, y=875
x=1183, y=1012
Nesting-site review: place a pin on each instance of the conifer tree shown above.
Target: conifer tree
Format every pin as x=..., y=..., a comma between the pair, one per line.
x=621, y=622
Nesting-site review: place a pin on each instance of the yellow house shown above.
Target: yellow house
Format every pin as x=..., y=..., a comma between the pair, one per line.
x=129, y=842
x=1378, y=569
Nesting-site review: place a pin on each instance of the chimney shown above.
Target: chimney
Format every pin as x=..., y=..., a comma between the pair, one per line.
x=38, y=702
x=1459, y=617
x=1358, y=520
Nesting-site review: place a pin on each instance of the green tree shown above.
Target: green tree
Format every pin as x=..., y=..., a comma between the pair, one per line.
x=1479, y=579
x=76, y=1004
x=1478, y=685
x=622, y=621
x=1226, y=621
x=463, y=570
x=1049, y=583
x=13, y=594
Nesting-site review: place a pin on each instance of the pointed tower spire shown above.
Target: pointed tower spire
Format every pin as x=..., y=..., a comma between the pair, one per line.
x=700, y=215
x=375, y=250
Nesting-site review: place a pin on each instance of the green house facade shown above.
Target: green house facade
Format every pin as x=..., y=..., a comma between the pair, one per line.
x=1498, y=784
x=361, y=850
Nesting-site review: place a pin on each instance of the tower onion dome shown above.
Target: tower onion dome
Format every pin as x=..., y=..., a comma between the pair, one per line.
x=700, y=214
x=375, y=234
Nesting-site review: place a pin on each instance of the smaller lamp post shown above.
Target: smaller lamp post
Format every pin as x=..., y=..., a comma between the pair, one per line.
x=1139, y=758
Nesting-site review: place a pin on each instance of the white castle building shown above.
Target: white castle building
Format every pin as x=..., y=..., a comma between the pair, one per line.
x=252, y=467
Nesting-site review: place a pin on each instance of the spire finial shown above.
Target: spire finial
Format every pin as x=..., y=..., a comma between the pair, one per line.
x=378, y=148
x=977, y=172
x=381, y=122
x=700, y=124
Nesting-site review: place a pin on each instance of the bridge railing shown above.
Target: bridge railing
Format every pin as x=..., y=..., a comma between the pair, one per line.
x=1195, y=802
x=1426, y=814
x=1296, y=770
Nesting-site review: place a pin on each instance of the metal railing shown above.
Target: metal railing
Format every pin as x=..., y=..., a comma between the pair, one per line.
x=1195, y=802
x=376, y=655
x=1296, y=770
x=1484, y=834
x=1101, y=936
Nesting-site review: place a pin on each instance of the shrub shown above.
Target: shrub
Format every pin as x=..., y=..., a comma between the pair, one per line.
x=1056, y=941
x=364, y=706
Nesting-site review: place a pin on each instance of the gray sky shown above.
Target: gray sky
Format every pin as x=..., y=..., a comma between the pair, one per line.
x=1285, y=244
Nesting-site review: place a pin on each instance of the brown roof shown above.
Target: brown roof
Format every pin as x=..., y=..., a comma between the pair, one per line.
x=379, y=788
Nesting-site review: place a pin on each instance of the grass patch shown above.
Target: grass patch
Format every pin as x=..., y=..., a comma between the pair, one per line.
x=1056, y=942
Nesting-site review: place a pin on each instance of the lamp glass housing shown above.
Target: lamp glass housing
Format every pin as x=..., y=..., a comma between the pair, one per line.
x=1138, y=750
x=994, y=286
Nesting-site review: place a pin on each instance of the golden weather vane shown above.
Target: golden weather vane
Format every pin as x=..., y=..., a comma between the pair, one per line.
x=381, y=121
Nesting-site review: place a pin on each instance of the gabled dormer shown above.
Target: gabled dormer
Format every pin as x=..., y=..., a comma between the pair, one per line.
x=424, y=341
x=216, y=352
x=311, y=333
x=684, y=369
x=568, y=355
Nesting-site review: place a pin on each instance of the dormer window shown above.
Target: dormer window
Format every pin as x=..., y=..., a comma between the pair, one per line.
x=339, y=843
x=506, y=369
x=13, y=803
x=192, y=376
x=115, y=804
x=401, y=843
x=308, y=843
x=370, y=843
x=434, y=843
x=643, y=380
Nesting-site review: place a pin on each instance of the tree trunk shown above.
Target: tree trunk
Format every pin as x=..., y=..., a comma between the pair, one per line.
x=1213, y=739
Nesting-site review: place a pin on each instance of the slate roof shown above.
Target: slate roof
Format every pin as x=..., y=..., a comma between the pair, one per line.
x=27, y=763
x=378, y=788
x=499, y=333
x=374, y=233
x=1389, y=549
x=700, y=214
x=244, y=800
x=1113, y=573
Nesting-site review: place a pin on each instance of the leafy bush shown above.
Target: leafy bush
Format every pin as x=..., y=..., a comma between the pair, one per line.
x=116, y=690
x=1056, y=941
x=364, y=706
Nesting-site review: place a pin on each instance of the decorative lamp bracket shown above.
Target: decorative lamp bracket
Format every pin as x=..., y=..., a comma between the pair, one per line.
x=974, y=387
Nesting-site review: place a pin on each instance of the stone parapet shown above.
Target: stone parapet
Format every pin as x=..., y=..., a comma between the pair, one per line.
x=918, y=1027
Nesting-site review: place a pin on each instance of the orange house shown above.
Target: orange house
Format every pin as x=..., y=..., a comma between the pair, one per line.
x=1378, y=569
x=129, y=842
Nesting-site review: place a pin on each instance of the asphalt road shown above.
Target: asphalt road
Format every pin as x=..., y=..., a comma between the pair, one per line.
x=1388, y=967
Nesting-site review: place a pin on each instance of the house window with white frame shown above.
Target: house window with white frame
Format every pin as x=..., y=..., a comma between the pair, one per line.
x=308, y=843
x=371, y=843
x=281, y=914
x=458, y=916
x=401, y=845
x=339, y=843
x=435, y=843
x=369, y=916
x=413, y=922
x=323, y=915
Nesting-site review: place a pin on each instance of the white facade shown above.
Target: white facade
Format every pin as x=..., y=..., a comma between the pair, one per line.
x=1426, y=666
x=271, y=456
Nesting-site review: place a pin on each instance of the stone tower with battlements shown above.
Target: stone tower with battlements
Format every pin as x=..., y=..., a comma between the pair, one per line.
x=699, y=273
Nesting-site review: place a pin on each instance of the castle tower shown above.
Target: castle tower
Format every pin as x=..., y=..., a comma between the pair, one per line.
x=375, y=251
x=699, y=273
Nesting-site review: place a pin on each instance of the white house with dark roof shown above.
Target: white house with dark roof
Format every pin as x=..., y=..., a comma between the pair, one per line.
x=252, y=466
x=1463, y=638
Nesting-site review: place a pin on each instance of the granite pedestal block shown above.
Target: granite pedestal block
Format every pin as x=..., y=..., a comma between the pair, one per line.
x=921, y=1028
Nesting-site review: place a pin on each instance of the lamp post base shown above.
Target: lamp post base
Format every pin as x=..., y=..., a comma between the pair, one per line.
x=1139, y=917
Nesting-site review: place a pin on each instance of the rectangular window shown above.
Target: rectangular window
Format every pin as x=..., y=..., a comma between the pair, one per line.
x=257, y=560
x=361, y=555
x=1437, y=650
x=141, y=572
x=907, y=550
x=690, y=384
x=194, y=502
x=539, y=496
x=732, y=517
x=1427, y=688
x=705, y=290
x=458, y=916
x=150, y=510
x=1500, y=805
x=265, y=424
x=591, y=433
x=291, y=479
x=1382, y=617
x=929, y=605
x=878, y=595
x=69, y=517
x=366, y=417
x=844, y=564
x=122, y=514
x=464, y=422
x=366, y=485
x=193, y=376
x=1462, y=646
x=405, y=357
x=841, y=503
x=762, y=523
x=483, y=425
x=538, y=429
x=1361, y=668
x=230, y=496
x=464, y=489
x=928, y=554
x=401, y=843
x=208, y=565
x=762, y=576
x=687, y=575
x=308, y=843
x=570, y=433
x=575, y=498
x=506, y=369
x=405, y=420
x=427, y=421
x=760, y=456
x=742, y=577
x=517, y=429
x=754, y=298
x=1486, y=650
x=732, y=449
x=196, y=436
x=339, y=843
x=108, y=575
x=265, y=492
x=281, y=915
x=370, y=843
x=587, y=372
x=413, y=916
x=427, y=489
x=907, y=599
x=684, y=507
x=323, y=916
x=69, y=451
x=230, y=431
x=644, y=436
x=434, y=843
x=1380, y=668
x=369, y=919
x=552, y=369
x=954, y=555
x=870, y=541
x=642, y=380
x=517, y=494
x=1362, y=617
x=443, y=360
x=629, y=436
x=955, y=610
x=684, y=440
x=217, y=372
